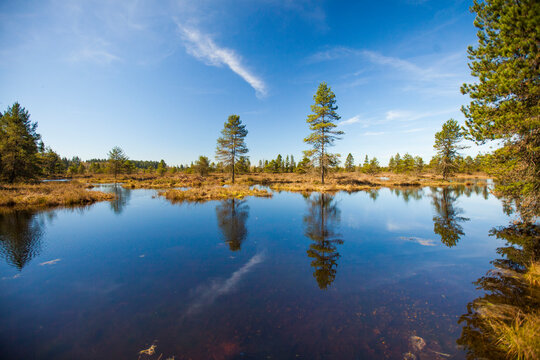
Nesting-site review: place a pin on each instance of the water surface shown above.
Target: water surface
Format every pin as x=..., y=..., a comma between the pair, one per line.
x=345, y=276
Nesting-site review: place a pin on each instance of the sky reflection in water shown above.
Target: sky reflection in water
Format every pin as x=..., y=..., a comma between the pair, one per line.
x=340, y=276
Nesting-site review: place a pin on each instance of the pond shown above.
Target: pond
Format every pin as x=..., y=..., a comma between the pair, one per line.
x=377, y=274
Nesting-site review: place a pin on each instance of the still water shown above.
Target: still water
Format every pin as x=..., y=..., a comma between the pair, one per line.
x=367, y=275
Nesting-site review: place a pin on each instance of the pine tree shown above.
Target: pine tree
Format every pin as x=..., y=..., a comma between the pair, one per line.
x=505, y=102
x=117, y=158
x=391, y=164
x=321, y=123
x=349, y=162
x=18, y=145
x=161, y=168
x=202, y=165
x=399, y=164
x=231, y=145
x=446, y=144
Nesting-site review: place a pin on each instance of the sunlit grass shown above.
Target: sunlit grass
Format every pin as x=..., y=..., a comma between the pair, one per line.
x=50, y=194
x=516, y=333
x=216, y=192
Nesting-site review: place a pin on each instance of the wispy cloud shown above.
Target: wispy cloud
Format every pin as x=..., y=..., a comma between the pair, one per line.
x=406, y=66
x=418, y=240
x=374, y=133
x=97, y=56
x=206, y=294
x=204, y=48
x=350, y=121
x=408, y=115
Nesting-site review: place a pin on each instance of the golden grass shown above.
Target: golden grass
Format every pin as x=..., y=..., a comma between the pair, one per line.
x=521, y=338
x=516, y=332
x=51, y=194
x=216, y=192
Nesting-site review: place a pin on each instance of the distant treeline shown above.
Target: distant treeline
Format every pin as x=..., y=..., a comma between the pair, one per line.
x=23, y=155
x=53, y=165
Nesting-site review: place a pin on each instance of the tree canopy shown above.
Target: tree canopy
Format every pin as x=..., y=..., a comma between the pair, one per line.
x=322, y=125
x=117, y=159
x=447, y=145
x=231, y=145
x=18, y=145
x=505, y=102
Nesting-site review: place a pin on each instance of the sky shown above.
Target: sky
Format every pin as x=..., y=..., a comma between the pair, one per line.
x=159, y=79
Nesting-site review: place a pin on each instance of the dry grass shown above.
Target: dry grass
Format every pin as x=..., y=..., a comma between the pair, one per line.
x=520, y=339
x=216, y=192
x=210, y=187
x=516, y=332
x=42, y=195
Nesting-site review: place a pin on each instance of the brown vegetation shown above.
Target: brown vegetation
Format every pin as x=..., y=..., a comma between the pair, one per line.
x=215, y=192
x=50, y=194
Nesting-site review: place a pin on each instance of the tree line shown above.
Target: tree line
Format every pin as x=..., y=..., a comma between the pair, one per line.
x=24, y=156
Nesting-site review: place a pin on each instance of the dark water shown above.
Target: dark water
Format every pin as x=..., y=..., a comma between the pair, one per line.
x=350, y=276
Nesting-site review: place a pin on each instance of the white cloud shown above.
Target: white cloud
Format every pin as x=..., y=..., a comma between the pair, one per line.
x=352, y=120
x=407, y=115
x=206, y=294
x=204, y=48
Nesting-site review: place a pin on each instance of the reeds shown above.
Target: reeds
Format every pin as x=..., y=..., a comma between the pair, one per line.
x=216, y=192
x=51, y=194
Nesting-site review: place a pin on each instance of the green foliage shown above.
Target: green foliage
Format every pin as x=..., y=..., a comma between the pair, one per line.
x=162, y=168
x=243, y=165
x=418, y=164
x=374, y=166
x=349, y=163
x=116, y=161
x=231, y=145
x=446, y=144
x=202, y=166
x=51, y=163
x=505, y=102
x=321, y=123
x=303, y=166
x=19, y=158
x=129, y=167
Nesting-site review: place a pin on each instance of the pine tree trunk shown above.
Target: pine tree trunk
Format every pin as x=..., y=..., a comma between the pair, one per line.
x=233, y=169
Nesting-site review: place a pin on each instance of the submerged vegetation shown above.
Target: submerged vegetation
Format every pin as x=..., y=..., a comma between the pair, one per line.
x=505, y=322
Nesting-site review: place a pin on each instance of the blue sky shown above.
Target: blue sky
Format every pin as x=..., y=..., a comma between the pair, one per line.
x=160, y=80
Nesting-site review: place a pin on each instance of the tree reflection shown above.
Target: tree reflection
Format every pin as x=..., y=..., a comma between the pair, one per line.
x=232, y=215
x=510, y=295
x=20, y=236
x=122, y=197
x=322, y=217
x=446, y=222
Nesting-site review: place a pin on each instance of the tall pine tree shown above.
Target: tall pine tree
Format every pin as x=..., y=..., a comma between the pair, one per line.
x=505, y=102
x=322, y=124
x=231, y=145
x=18, y=145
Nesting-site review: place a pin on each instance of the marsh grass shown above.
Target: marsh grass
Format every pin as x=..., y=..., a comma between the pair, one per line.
x=215, y=192
x=517, y=332
x=51, y=194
